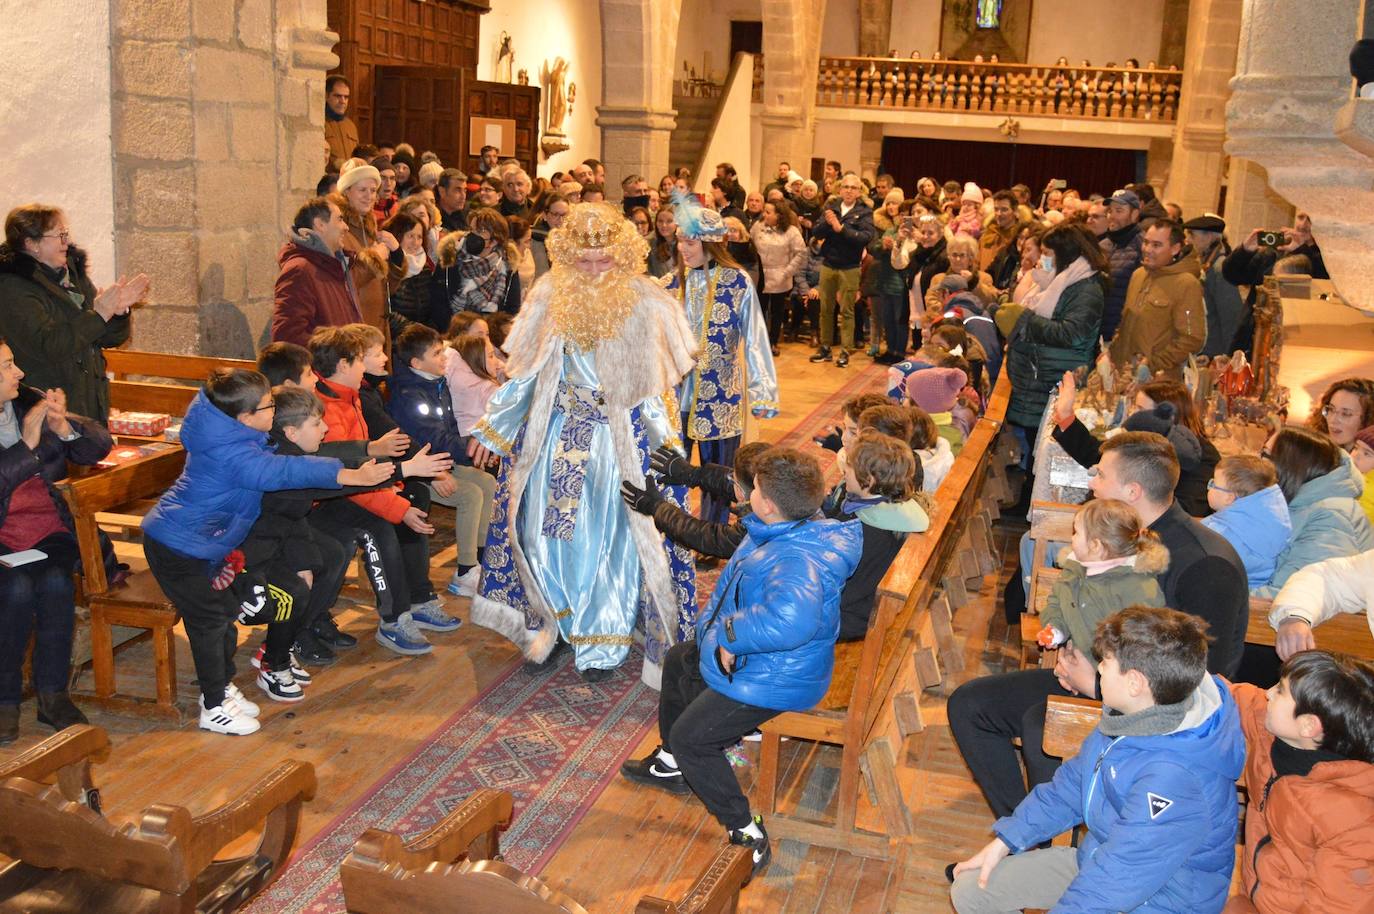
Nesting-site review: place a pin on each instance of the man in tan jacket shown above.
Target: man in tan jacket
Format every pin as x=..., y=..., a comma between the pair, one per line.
x=339, y=130
x=1164, y=318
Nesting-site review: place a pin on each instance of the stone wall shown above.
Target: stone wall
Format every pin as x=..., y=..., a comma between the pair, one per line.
x=218, y=110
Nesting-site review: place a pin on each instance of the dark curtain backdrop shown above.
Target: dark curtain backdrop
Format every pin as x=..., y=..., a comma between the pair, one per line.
x=1000, y=165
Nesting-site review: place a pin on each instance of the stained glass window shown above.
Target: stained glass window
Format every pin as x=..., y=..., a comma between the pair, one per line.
x=989, y=14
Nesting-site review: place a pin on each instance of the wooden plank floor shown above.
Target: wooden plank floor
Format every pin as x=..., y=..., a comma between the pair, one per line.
x=373, y=708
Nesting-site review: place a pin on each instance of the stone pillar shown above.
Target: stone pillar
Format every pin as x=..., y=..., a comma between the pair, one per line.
x=636, y=115
x=791, y=53
x=218, y=138
x=1292, y=113
x=1251, y=203
x=1195, y=171
x=634, y=140
x=875, y=30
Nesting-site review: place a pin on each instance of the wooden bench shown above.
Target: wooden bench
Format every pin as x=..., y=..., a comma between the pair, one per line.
x=1051, y=523
x=1346, y=633
x=139, y=603
x=1068, y=722
x=154, y=396
x=872, y=704
x=456, y=868
x=66, y=856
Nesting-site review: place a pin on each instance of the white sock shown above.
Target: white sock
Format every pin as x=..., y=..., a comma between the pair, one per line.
x=666, y=757
x=752, y=829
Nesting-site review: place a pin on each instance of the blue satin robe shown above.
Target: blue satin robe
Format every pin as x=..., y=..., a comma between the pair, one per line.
x=592, y=578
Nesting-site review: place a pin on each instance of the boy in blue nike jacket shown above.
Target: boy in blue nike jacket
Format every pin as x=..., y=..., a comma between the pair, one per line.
x=1154, y=784
x=191, y=536
x=764, y=644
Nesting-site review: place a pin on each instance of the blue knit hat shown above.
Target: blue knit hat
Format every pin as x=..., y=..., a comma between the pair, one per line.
x=694, y=220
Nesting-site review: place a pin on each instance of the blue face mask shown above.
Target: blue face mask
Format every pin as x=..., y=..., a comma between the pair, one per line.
x=1047, y=262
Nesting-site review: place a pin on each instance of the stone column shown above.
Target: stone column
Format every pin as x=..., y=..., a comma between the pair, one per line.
x=636, y=115
x=875, y=30
x=1195, y=172
x=1251, y=203
x=1292, y=113
x=218, y=138
x=634, y=140
x=791, y=53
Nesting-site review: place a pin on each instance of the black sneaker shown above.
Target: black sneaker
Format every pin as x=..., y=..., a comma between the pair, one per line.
x=822, y=354
x=762, y=853
x=842, y=361
x=311, y=650
x=329, y=635
x=653, y=771
x=595, y=674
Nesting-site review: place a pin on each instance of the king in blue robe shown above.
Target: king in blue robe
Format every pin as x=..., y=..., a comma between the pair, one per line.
x=595, y=355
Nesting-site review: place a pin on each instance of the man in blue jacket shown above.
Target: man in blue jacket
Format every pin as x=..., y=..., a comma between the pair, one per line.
x=1154, y=785
x=764, y=645
x=845, y=229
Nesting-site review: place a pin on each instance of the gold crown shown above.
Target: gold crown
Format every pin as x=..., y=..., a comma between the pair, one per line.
x=594, y=225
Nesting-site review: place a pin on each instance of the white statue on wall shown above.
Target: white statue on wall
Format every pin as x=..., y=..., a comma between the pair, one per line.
x=505, y=59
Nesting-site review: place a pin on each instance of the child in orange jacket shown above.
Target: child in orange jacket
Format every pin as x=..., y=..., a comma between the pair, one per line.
x=1309, y=826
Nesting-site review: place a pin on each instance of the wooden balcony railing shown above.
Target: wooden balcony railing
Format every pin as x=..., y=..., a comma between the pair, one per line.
x=994, y=88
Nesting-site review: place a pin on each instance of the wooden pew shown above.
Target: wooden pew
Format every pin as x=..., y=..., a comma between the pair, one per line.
x=872, y=706
x=1347, y=633
x=157, y=397
x=456, y=868
x=1068, y=722
x=1051, y=522
x=66, y=856
x=139, y=603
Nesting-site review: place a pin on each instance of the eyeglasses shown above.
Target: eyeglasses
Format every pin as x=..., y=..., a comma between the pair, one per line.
x=272, y=405
x=64, y=237
x=1327, y=411
x=1267, y=454
x=1212, y=486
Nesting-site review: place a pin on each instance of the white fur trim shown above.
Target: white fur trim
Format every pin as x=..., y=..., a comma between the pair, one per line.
x=505, y=620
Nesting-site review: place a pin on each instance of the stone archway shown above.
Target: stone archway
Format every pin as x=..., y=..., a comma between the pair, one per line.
x=636, y=116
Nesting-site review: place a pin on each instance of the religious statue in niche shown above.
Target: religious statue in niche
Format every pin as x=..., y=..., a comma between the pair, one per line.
x=560, y=94
x=505, y=59
x=989, y=14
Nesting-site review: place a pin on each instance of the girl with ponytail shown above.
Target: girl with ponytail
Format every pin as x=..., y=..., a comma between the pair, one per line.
x=1112, y=565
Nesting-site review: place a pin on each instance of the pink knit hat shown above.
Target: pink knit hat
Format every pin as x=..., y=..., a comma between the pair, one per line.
x=935, y=389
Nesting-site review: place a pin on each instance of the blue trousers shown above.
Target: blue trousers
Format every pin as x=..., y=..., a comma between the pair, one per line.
x=38, y=598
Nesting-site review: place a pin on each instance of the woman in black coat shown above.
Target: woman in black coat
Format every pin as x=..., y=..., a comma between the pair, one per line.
x=37, y=440
x=55, y=320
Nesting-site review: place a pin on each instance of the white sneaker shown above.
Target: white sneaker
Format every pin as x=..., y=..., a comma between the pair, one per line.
x=279, y=685
x=227, y=718
x=234, y=694
x=465, y=585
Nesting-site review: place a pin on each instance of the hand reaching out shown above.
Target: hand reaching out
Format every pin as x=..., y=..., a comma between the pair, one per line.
x=369, y=474
x=1294, y=635
x=426, y=464
x=479, y=454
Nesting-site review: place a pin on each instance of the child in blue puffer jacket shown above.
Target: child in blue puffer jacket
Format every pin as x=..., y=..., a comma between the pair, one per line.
x=1154, y=784
x=1251, y=512
x=192, y=536
x=764, y=644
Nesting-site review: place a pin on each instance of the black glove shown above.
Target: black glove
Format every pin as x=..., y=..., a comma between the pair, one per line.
x=254, y=601
x=672, y=467
x=831, y=442
x=643, y=500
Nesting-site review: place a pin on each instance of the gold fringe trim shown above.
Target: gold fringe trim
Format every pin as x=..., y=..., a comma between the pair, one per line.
x=615, y=640
x=502, y=443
